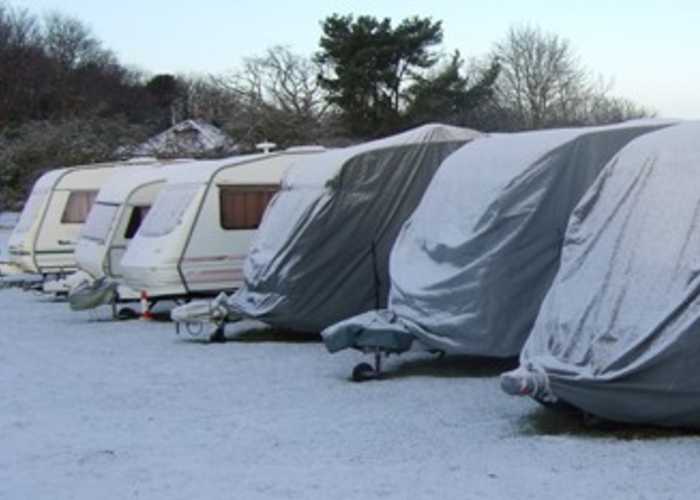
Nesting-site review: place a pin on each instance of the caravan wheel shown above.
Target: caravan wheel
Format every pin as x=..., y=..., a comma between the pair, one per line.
x=126, y=313
x=363, y=372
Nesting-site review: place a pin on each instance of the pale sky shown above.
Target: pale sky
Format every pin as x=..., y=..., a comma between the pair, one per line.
x=647, y=47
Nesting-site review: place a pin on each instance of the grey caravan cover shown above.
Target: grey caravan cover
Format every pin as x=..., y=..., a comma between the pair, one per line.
x=471, y=267
x=619, y=332
x=321, y=253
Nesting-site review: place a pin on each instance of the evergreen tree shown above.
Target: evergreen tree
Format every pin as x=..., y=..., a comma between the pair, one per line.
x=448, y=96
x=368, y=64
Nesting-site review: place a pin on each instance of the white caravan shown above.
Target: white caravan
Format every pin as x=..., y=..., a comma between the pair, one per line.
x=195, y=238
x=121, y=205
x=43, y=242
x=44, y=239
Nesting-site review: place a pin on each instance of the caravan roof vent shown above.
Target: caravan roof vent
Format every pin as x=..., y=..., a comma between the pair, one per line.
x=265, y=147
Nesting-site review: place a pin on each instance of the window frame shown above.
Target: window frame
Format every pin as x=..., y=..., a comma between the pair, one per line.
x=73, y=192
x=186, y=192
x=130, y=222
x=269, y=190
x=102, y=239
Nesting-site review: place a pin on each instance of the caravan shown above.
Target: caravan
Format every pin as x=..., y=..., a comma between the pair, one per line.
x=322, y=252
x=617, y=334
x=196, y=236
x=119, y=209
x=43, y=241
x=472, y=264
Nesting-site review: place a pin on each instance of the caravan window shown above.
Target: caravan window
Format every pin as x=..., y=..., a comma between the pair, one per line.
x=135, y=220
x=99, y=222
x=242, y=207
x=30, y=212
x=168, y=209
x=78, y=207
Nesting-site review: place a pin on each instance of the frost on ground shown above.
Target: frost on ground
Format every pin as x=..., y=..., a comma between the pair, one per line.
x=8, y=220
x=95, y=409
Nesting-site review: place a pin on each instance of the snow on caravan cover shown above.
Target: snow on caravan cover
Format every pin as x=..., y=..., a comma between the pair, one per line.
x=322, y=250
x=617, y=335
x=472, y=265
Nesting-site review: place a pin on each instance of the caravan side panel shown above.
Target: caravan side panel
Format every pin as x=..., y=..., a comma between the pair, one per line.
x=214, y=257
x=21, y=243
x=230, y=215
x=60, y=229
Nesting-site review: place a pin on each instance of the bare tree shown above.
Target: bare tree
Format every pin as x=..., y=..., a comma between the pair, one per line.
x=542, y=81
x=206, y=99
x=604, y=109
x=71, y=43
x=544, y=84
x=18, y=28
x=287, y=81
x=278, y=98
x=22, y=64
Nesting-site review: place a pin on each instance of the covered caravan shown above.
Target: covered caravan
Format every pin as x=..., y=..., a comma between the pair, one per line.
x=44, y=240
x=322, y=251
x=472, y=264
x=618, y=335
x=116, y=215
x=196, y=236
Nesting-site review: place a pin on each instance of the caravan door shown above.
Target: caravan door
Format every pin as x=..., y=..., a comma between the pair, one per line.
x=134, y=212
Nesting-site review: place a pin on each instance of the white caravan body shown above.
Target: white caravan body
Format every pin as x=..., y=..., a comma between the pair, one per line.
x=43, y=241
x=121, y=205
x=195, y=239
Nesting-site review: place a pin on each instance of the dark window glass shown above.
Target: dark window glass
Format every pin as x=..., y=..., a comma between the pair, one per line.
x=242, y=207
x=137, y=216
x=78, y=207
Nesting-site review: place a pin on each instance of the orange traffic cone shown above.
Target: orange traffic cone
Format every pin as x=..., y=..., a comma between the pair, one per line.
x=145, y=307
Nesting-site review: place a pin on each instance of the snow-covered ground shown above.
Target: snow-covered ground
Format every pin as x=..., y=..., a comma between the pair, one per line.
x=4, y=236
x=96, y=409
x=8, y=220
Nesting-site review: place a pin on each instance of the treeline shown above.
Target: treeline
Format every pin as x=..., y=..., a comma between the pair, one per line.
x=66, y=99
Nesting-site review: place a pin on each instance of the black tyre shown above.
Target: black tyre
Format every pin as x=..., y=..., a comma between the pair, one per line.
x=362, y=372
x=218, y=335
x=126, y=313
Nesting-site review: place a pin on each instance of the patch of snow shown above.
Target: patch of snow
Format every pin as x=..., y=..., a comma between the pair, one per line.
x=97, y=409
x=8, y=220
x=4, y=238
x=187, y=138
x=310, y=148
